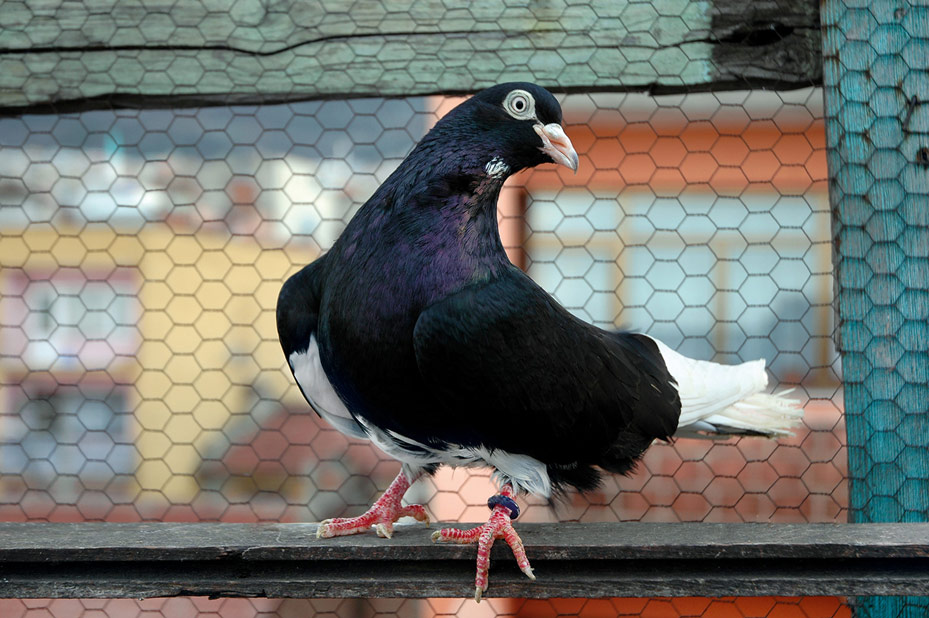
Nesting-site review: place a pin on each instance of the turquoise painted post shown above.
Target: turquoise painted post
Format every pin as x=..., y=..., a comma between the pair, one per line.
x=876, y=78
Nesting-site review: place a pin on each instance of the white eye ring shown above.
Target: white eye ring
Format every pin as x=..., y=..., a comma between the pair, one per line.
x=520, y=105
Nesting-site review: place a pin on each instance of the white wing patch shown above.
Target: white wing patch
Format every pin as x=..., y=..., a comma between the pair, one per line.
x=318, y=390
x=496, y=167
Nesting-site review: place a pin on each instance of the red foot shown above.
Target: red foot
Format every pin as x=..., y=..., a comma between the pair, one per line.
x=498, y=526
x=382, y=514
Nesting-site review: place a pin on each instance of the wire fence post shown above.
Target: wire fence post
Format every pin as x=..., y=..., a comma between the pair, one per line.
x=876, y=79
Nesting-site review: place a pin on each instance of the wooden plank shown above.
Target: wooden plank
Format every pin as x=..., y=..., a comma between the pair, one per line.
x=877, y=125
x=42, y=542
x=876, y=87
x=452, y=578
x=79, y=55
x=583, y=560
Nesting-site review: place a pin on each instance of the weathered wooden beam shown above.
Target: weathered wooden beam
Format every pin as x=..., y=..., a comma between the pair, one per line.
x=81, y=55
x=876, y=93
x=571, y=560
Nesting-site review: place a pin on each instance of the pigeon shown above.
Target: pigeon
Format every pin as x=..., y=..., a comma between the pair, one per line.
x=416, y=332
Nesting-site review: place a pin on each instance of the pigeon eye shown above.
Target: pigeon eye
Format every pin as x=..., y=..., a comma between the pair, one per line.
x=520, y=104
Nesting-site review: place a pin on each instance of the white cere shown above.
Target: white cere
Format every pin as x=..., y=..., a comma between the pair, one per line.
x=520, y=104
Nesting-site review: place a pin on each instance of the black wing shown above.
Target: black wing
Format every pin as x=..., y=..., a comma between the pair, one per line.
x=514, y=370
x=298, y=306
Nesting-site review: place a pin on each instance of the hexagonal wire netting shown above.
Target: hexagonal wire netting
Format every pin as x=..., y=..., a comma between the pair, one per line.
x=142, y=253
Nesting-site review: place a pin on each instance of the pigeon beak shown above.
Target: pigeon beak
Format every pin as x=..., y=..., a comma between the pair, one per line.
x=557, y=145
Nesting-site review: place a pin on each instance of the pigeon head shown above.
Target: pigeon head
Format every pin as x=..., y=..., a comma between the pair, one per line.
x=507, y=128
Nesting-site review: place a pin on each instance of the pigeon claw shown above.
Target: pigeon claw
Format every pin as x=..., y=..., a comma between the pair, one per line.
x=382, y=519
x=498, y=526
x=382, y=515
x=342, y=526
x=322, y=530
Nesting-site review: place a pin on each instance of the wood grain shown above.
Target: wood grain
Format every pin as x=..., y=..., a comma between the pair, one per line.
x=159, y=53
x=582, y=560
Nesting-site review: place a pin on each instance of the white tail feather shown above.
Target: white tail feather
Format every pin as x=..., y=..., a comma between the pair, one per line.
x=722, y=400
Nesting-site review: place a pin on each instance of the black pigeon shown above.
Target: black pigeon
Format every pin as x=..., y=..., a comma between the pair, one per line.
x=416, y=332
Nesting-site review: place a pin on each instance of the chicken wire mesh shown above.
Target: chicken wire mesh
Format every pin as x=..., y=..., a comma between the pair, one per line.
x=142, y=252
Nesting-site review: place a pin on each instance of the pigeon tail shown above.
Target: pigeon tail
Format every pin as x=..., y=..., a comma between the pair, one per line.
x=719, y=401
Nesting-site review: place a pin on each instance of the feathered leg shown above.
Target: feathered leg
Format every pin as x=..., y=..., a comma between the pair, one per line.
x=499, y=525
x=382, y=513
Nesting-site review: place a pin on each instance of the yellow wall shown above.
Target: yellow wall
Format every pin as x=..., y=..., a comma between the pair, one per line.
x=208, y=349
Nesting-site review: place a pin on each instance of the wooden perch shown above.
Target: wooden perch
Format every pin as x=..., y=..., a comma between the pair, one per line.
x=571, y=560
x=165, y=53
